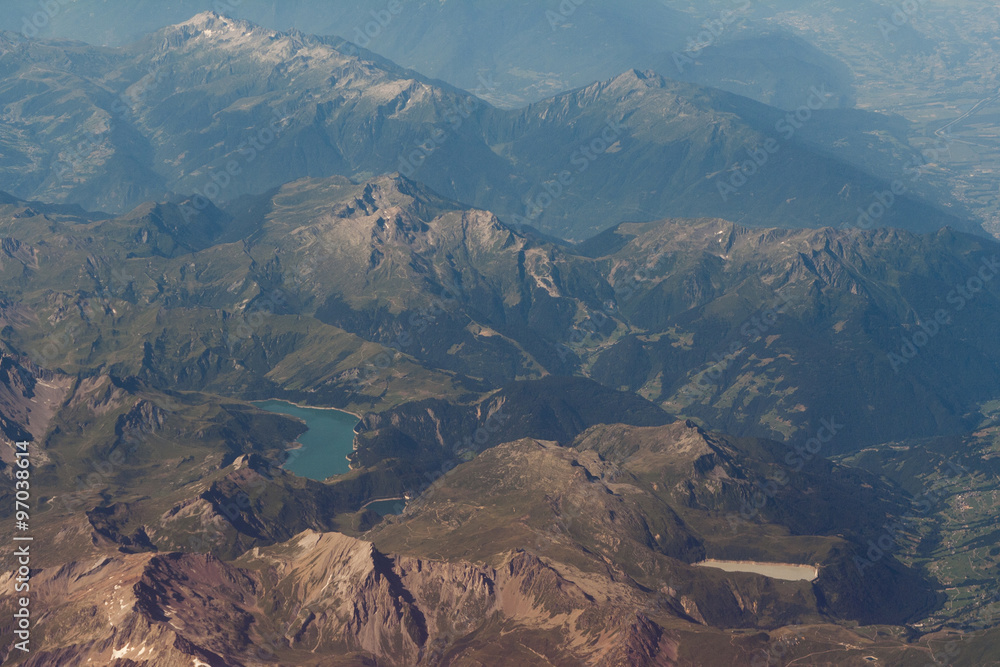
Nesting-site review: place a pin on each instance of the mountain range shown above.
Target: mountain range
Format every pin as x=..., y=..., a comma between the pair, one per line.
x=544, y=51
x=604, y=328
x=109, y=128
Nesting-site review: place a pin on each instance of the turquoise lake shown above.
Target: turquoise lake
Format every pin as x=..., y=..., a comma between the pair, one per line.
x=325, y=445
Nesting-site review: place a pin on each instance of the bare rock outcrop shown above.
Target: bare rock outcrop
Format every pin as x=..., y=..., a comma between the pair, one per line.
x=324, y=596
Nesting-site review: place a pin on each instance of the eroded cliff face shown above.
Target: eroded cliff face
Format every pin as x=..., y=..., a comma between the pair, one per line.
x=29, y=398
x=109, y=611
x=325, y=598
x=339, y=594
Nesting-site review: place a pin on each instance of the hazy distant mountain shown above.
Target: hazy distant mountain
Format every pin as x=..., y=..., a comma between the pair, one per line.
x=773, y=67
x=691, y=151
x=219, y=108
x=524, y=50
x=917, y=60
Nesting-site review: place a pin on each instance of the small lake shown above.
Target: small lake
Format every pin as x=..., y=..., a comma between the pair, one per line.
x=325, y=445
x=786, y=571
x=386, y=507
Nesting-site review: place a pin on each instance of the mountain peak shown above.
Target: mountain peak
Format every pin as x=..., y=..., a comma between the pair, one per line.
x=263, y=44
x=212, y=24
x=202, y=17
x=207, y=19
x=634, y=78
